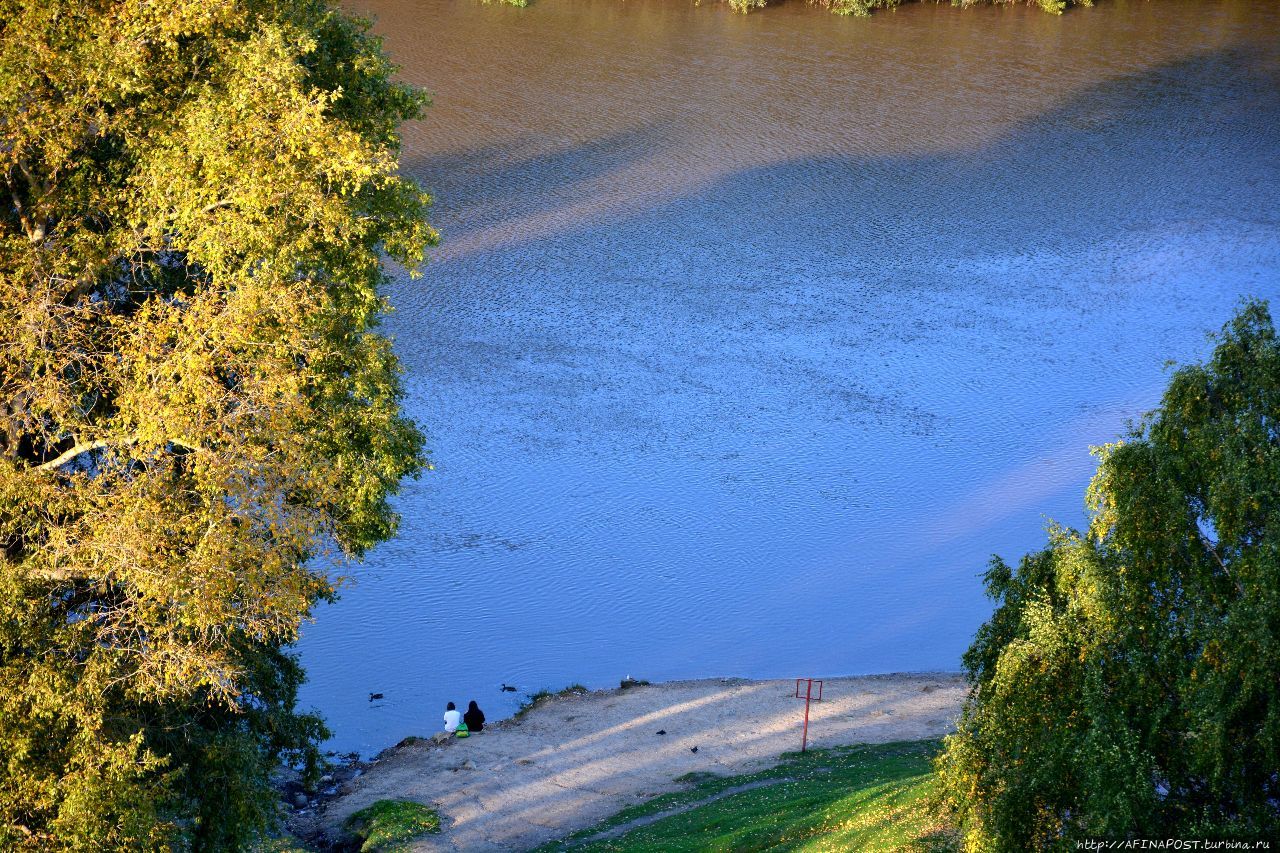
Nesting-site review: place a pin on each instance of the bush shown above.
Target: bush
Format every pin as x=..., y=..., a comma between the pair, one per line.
x=389, y=825
x=1126, y=683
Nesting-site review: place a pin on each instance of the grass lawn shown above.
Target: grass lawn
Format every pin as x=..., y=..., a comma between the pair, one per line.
x=864, y=798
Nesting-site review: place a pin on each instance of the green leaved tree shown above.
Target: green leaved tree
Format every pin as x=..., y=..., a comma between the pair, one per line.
x=1128, y=683
x=195, y=406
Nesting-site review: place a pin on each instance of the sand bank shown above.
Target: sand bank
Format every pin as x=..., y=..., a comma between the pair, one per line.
x=576, y=760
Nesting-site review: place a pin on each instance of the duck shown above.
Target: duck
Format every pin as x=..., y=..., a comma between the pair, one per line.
x=373, y=696
x=507, y=688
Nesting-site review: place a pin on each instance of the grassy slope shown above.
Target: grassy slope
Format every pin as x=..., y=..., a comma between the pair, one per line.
x=867, y=797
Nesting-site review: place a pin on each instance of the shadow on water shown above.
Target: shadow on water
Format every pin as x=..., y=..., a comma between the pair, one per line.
x=1192, y=139
x=483, y=186
x=791, y=279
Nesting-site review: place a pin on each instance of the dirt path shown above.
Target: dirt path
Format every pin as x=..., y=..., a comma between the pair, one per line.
x=579, y=759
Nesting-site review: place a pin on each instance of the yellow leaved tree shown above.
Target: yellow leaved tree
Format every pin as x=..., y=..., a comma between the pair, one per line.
x=195, y=406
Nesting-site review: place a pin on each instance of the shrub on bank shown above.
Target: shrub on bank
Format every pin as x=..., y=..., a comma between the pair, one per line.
x=863, y=8
x=1126, y=683
x=389, y=825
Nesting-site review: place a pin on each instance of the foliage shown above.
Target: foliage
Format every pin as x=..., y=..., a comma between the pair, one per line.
x=1126, y=684
x=536, y=700
x=863, y=8
x=858, y=8
x=873, y=797
x=194, y=404
x=281, y=844
x=389, y=824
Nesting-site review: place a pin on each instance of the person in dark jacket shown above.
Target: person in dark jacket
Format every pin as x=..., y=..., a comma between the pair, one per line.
x=474, y=718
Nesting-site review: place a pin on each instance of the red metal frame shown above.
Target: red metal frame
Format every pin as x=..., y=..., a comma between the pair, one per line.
x=811, y=681
x=808, y=697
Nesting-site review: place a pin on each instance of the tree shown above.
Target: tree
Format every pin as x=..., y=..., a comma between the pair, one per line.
x=195, y=407
x=1127, y=683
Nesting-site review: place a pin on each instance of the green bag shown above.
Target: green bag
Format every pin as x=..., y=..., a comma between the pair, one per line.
x=463, y=731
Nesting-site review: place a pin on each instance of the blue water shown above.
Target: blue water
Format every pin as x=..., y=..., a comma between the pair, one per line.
x=728, y=371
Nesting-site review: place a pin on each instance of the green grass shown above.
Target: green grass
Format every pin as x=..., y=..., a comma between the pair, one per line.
x=866, y=798
x=390, y=825
x=282, y=844
x=533, y=700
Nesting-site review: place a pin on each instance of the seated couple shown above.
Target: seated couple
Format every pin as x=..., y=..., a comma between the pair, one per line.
x=472, y=721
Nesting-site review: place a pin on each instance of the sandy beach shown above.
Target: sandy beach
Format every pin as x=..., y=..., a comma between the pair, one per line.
x=578, y=759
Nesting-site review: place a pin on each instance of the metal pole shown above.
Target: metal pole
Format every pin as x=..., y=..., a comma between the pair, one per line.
x=808, y=693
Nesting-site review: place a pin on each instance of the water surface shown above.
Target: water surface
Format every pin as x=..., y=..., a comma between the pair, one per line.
x=752, y=337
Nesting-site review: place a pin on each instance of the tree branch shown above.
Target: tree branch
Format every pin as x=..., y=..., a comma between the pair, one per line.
x=210, y=208
x=86, y=446
x=1208, y=546
x=67, y=455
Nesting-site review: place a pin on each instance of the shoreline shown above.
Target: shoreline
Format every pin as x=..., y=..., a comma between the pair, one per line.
x=579, y=757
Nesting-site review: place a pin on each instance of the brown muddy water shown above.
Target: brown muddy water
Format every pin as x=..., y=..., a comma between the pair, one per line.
x=752, y=337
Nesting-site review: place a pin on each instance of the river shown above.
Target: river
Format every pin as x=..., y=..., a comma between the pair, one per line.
x=752, y=337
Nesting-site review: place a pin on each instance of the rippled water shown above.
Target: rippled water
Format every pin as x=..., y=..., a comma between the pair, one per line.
x=752, y=337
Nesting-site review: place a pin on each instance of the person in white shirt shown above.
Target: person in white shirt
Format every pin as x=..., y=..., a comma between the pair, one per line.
x=451, y=718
